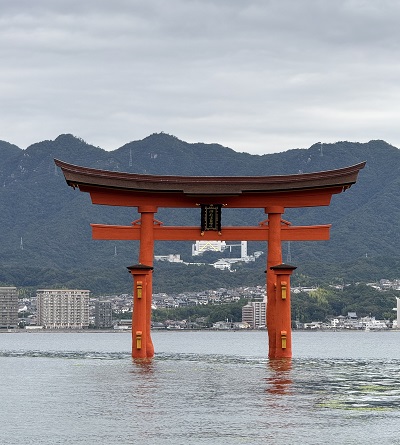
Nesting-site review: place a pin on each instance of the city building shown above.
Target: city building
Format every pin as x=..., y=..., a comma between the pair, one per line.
x=218, y=246
x=222, y=265
x=8, y=307
x=208, y=246
x=103, y=314
x=254, y=313
x=248, y=314
x=63, y=308
x=397, y=309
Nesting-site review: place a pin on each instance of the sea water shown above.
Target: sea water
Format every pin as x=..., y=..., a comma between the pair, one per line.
x=201, y=388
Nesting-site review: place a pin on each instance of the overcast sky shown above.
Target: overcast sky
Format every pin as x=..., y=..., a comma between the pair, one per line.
x=258, y=76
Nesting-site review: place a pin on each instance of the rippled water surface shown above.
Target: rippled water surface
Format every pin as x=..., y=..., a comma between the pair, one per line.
x=201, y=388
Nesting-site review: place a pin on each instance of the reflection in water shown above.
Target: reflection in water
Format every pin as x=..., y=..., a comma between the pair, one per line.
x=141, y=388
x=143, y=366
x=280, y=381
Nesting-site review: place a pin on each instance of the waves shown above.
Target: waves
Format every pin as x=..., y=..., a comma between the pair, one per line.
x=95, y=355
x=84, y=355
x=363, y=385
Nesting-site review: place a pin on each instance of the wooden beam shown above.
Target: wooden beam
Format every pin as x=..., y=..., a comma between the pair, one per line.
x=187, y=233
x=293, y=199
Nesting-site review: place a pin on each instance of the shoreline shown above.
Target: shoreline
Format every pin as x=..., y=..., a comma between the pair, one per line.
x=128, y=331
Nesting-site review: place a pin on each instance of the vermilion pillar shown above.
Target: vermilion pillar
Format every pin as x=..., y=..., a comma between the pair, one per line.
x=283, y=319
x=140, y=332
x=274, y=258
x=146, y=257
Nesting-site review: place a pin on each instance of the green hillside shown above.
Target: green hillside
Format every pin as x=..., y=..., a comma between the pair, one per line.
x=45, y=225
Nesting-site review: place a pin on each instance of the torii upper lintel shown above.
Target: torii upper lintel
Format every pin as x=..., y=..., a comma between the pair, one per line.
x=131, y=189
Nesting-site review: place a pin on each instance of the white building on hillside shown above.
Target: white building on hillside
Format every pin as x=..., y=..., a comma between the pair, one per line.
x=208, y=246
x=218, y=246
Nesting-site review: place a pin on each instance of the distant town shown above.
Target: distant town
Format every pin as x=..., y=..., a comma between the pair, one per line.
x=55, y=309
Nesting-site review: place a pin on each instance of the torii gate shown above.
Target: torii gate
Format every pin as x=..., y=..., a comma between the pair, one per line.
x=211, y=193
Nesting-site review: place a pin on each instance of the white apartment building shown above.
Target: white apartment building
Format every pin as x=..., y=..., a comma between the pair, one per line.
x=63, y=308
x=208, y=246
x=218, y=246
x=8, y=307
x=254, y=313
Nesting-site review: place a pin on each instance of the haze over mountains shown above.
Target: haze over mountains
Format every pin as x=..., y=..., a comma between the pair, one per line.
x=45, y=225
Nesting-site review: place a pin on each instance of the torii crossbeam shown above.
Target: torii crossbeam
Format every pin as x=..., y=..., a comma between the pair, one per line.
x=148, y=193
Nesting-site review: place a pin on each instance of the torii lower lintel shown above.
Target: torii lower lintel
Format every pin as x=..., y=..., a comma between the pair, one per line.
x=186, y=233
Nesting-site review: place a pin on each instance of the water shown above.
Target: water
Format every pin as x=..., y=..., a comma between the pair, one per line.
x=201, y=388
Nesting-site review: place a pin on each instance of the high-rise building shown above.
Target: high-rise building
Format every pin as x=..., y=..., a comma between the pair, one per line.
x=103, y=314
x=248, y=314
x=254, y=313
x=63, y=308
x=8, y=307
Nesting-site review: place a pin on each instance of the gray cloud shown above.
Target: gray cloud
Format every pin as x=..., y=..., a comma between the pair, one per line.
x=258, y=76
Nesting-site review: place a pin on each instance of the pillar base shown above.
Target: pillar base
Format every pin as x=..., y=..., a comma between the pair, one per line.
x=142, y=346
x=280, y=341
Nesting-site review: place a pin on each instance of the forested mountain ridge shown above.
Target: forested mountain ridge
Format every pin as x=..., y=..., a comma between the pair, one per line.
x=45, y=225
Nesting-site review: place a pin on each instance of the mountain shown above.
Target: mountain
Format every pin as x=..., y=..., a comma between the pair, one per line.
x=45, y=225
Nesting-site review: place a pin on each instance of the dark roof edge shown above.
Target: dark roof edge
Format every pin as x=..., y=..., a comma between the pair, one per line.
x=77, y=175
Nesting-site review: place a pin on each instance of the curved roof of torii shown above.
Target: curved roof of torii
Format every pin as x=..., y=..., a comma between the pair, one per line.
x=77, y=176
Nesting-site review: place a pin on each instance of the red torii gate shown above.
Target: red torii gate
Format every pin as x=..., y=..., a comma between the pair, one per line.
x=211, y=193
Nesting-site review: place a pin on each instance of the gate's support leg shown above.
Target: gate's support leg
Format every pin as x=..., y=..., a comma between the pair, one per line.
x=146, y=257
x=139, y=317
x=283, y=325
x=274, y=257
